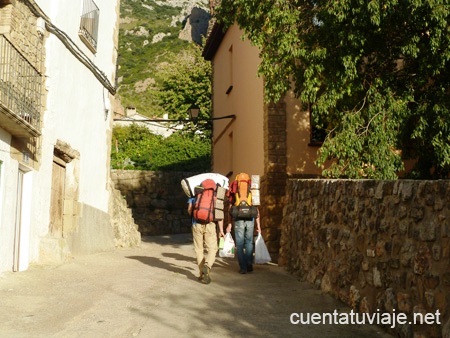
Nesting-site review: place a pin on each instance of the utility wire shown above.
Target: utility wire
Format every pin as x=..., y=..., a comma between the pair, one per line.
x=71, y=46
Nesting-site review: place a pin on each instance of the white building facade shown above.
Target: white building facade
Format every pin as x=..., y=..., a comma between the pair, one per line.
x=57, y=72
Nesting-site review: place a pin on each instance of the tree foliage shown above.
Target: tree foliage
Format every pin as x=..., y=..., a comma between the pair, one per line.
x=136, y=148
x=183, y=83
x=376, y=70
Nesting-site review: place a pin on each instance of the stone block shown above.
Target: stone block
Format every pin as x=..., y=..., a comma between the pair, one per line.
x=431, y=281
x=370, y=253
x=403, y=227
x=354, y=297
x=364, y=306
x=404, y=302
x=271, y=234
x=326, y=286
x=377, y=282
x=365, y=265
x=390, y=300
x=394, y=263
x=361, y=279
x=417, y=212
x=429, y=298
x=380, y=249
x=436, y=250
x=427, y=231
x=379, y=193
x=422, y=261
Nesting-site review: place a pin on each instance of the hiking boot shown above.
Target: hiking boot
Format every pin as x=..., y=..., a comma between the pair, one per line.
x=206, y=279
x=250, y=268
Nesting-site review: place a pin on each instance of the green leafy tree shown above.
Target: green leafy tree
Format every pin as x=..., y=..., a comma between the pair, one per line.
x=376, y=71
x=186, y=82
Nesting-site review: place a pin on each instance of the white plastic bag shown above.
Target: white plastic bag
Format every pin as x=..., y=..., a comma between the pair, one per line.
x=228, y=247
x=262, y=255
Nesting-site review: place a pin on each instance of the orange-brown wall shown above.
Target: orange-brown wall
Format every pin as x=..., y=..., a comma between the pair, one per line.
x=300, y=155
x=238, y=144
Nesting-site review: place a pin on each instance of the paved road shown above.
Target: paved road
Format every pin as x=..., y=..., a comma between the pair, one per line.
x=153, y=291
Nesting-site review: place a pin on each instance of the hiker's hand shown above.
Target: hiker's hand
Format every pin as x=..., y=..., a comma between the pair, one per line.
x=229, y=228
x=221, y=234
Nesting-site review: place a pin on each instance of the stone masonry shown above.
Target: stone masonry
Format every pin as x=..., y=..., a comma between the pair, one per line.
x=274, y=179
x=378, y=246
x=158, y=203
x=21, y=24
x=18, y=25
x=125, y=229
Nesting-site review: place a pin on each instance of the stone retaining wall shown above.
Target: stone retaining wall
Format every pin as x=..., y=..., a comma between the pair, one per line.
x=158, y=202
x=125, y=229
x=379, y=246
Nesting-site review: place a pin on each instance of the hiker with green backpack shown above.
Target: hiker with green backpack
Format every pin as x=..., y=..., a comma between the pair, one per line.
x=243, y=214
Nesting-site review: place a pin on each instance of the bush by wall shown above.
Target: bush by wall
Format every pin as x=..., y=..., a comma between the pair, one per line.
x=136, y=148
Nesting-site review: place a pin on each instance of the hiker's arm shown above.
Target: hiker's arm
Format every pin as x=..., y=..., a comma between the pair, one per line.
x=258, y=223
x=220, y=222
x=229, y=227
x=229, y=220
x=190, y=206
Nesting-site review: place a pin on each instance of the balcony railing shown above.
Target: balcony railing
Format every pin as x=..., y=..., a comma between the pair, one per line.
x=89, y=25
x=20, y=92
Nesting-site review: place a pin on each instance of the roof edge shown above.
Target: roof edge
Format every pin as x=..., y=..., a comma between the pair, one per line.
x=213, y=41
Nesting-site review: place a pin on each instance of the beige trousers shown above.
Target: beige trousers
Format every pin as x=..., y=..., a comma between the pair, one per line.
x=205, y=244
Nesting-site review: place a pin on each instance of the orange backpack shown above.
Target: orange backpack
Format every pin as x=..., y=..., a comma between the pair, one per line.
x=240, y=190
x=241, y=198
x=205, y=198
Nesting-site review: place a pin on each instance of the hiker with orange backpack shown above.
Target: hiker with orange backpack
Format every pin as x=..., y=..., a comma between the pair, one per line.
x=243, y=215
x=204, y=233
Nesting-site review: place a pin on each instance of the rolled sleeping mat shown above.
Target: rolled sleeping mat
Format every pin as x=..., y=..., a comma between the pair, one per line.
x=188, y=184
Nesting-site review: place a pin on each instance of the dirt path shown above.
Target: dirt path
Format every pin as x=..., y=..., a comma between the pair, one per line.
x=152, y=291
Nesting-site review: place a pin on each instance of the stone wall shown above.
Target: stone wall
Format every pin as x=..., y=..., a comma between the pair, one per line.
x=158, y=203
x=273, y=182
x=21, y=31
x=125, y=229
x=378, y=246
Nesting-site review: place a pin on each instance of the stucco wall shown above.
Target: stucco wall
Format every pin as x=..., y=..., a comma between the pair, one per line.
x=300, y=154
x=376, y=245
x=19, y=26
x=8, y=184
x=238, y=145
x=75, y=115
